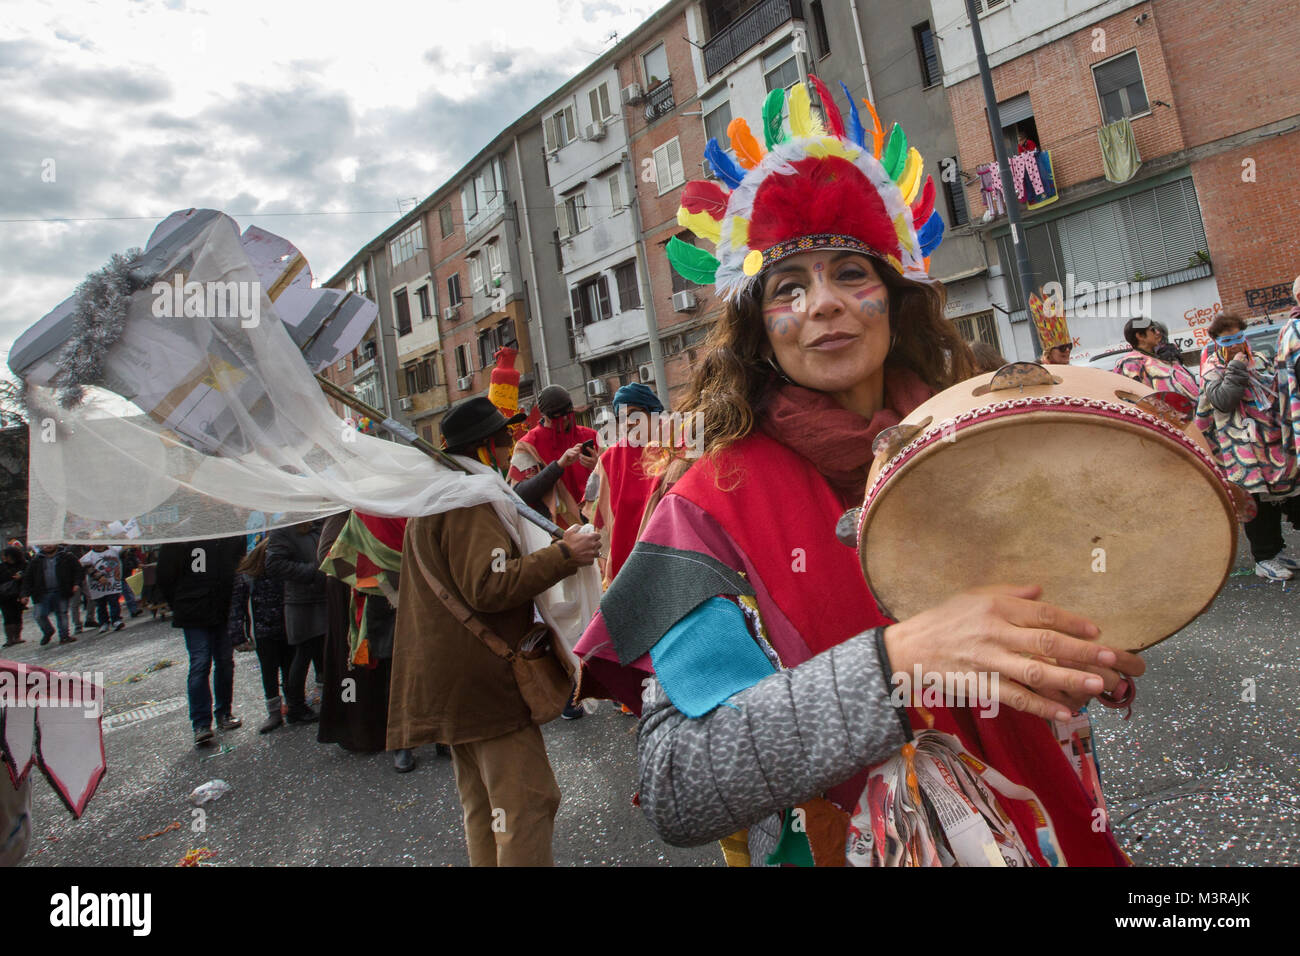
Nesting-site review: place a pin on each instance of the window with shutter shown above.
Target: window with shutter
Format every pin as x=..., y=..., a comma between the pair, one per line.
x=548, y=134
x=580, y=210
x=629, y=293
x=1180, y=223
x=577, y=300
x=444, y=220
x=677, y=170
x=663, y=173
x=475, y=273
x=453, y=290
x=927, y=53
x=669, y=171
x=1120, y=89
x=1111, y=240
x=599, y=100
x=494, y=258
x=571, y=122
x=402, y=307
x=562, y=219
x=615, y=196
x=469, y=200
x=716, y=121
x=602, y=298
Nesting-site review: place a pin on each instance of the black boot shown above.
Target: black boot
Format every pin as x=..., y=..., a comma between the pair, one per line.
x=301, y=714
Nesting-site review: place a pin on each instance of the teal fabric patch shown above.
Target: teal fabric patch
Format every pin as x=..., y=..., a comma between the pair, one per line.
x=708, y=656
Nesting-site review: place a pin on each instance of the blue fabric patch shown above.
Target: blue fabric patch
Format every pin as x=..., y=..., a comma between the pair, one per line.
x=708, y=656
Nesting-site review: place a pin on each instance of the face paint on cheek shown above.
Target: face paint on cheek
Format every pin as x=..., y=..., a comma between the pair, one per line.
x=780, y=320
x=869, y=304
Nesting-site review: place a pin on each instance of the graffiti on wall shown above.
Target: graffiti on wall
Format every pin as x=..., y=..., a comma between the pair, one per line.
x=1270, y=298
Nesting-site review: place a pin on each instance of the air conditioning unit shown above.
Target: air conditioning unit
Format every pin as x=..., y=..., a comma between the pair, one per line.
x=465, y=383
x=407, y=403
x=631, y=94
x=645, y=372
x=596, y=387
x=594, y=131
x=450, y=312
x=684, y=301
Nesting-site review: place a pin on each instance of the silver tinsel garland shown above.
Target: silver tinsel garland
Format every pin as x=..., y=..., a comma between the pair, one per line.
x=100, y=316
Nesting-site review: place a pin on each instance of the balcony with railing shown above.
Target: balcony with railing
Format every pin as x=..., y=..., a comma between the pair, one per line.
x=747, y=31
x=659, y=101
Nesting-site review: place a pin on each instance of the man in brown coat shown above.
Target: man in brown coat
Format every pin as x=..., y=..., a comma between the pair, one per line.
x=447, y=687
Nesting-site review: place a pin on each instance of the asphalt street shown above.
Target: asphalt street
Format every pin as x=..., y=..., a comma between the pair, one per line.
x=1205, y=772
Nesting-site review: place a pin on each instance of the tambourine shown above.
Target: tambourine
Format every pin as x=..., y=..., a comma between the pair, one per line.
x=1067, y=477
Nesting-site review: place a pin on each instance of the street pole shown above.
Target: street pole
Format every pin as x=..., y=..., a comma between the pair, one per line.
x=1004, y=168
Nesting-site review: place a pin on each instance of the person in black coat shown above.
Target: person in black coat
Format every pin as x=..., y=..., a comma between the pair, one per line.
x=291, y=557
x=11, y=594
x=198, y=578
x=51, y=580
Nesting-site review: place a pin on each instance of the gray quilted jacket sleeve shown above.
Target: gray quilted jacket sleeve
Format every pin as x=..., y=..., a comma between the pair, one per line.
x=771, y=746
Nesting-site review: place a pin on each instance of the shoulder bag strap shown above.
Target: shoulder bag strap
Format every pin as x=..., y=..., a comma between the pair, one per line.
x=463, y=614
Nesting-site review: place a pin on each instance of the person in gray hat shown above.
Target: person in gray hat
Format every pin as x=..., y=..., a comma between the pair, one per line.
x=1143, y=365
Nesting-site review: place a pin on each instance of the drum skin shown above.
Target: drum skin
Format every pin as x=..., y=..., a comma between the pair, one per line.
x=1118, y=516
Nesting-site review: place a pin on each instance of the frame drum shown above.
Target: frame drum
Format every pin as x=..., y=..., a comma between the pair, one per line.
x=1066, y=477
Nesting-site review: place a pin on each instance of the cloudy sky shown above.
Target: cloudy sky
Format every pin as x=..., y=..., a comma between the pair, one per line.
x=116, y=113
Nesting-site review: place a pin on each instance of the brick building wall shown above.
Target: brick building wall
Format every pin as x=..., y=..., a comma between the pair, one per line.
x=1251, y=226
x=1233, y=71
x=1059, y=80
x=1232, y=64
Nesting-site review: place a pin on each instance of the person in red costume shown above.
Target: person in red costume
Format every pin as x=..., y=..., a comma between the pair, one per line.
x=625, y=485
x=741, y=629
x=545, y=446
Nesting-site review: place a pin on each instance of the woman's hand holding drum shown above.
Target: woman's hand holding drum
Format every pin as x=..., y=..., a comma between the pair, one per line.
x=1047, y=659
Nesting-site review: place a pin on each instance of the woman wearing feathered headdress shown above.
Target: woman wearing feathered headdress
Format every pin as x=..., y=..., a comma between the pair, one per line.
x=765, y=661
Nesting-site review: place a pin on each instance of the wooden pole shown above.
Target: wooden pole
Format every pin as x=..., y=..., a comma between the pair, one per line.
x=407, y=435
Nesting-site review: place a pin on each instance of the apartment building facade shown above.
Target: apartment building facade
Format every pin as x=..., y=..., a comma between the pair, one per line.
x=1170, y=237
x=456, y=279
x=596, y=241
x=886, y=52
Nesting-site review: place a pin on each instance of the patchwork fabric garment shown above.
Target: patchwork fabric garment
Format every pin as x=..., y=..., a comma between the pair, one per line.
x=1288, y=383
x=367, y=557
x=1247, y=441
x=1157, y=374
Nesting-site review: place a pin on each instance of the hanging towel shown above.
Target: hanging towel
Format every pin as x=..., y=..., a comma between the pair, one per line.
x=1046, y=174
x=1119, y=152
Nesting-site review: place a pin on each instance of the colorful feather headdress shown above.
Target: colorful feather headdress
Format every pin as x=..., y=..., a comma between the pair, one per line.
x=812, y=187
